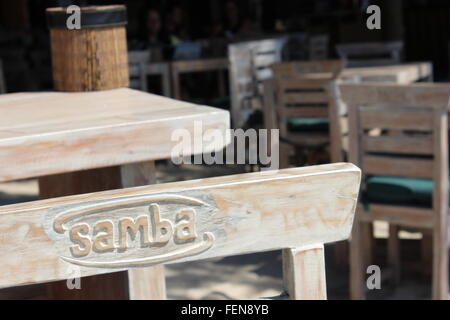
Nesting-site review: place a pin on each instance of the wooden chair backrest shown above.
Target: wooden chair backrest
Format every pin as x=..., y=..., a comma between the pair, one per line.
x=371, y=54
x=2, y=79
x=297, y=69
x=296, y=209
x=303, y=90
x=264, y=54
x=318, y=47
x=400, y=130
x=137, y=61
x=249, y=65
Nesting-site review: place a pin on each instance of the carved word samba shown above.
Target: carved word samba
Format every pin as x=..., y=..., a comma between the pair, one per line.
x=104, y=236
x=131, y=231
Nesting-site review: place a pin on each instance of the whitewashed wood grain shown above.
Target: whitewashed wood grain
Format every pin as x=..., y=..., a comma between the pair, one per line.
x=54, y=132
x=234, y=215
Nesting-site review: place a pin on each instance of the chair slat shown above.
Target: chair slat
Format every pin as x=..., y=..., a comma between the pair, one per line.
x=395, y=118
x=305, y=112
x=305, y=97
x=399, y=144
x=396, y=166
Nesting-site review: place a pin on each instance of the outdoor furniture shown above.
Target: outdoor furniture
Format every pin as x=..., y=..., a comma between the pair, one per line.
x=140, y=68
x=399, y=137
x=250, y=65
x=201, y=65
x=64, y=138
x=371, y=53
x=297, y=210
x=161, y=69
x=137, y=61
x=402, y=73
x=302, y=108
x=330, y=74
x=318, y=47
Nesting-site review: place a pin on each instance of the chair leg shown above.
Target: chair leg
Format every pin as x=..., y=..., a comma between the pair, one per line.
x=394, y=252
x=284, y=155
x=426, y=252
x=440, y=264
x=367, y=243
x=357, y=291
x=147, y=283
x=304, y=273
x=341, y=254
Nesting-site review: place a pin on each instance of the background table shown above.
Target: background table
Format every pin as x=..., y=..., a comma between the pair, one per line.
x=401, y=73
x=201, y=65
x=52, y=133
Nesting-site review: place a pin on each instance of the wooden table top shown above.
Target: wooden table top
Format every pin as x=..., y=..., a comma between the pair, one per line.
x=199, y=65
x=53, y=132
x=401, y=73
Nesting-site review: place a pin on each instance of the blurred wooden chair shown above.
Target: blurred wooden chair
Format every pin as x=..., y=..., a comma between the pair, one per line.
x=297, y=210
x=370, y=54
x=399, y=137
x=140, y=67
x=178, y=68
x=318, y=47
x=249, y=64
x=301, y=105
x=2, y=79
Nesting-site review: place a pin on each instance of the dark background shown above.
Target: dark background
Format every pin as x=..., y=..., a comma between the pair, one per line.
x=423, y=25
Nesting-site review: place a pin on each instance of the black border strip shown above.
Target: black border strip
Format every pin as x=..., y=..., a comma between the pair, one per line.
x=89, y=18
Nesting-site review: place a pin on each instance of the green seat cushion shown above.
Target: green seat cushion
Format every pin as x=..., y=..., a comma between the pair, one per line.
x=399, y=191
x=308, y=124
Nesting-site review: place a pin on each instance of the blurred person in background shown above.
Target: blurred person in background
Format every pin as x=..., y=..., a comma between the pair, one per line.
x=177, y=25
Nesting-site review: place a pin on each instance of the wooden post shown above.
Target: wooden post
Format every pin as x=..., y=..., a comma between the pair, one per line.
x=88, y=59
x=304, y=273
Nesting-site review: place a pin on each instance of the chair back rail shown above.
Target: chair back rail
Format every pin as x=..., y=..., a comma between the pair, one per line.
x=371, y=53
x=389, y=123
x=296, y=209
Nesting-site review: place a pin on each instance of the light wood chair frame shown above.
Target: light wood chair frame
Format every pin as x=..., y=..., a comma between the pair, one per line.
x=288, y=209
x=374, y=105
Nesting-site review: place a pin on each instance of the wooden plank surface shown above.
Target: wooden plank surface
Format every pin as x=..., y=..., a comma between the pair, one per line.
x=200, y=65
x=397, y=166
x=417, y=94
x=203, y=219
x=49, y=133
x=400, y=73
